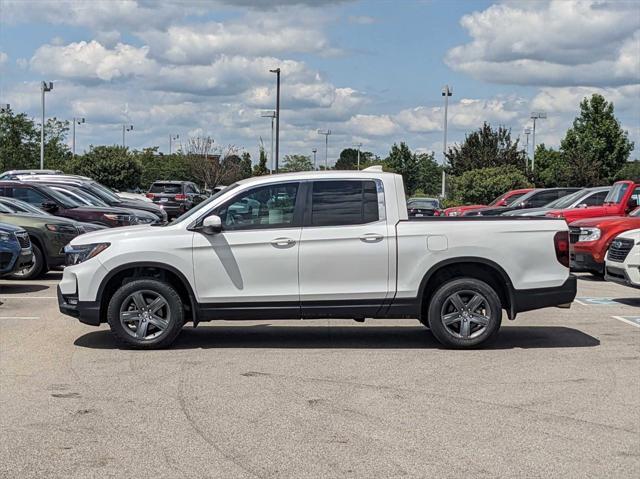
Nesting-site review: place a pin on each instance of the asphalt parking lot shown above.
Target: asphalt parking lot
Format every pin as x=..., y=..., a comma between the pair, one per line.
x=556, y=395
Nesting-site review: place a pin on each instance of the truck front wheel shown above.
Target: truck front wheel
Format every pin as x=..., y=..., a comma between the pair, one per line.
x=464, y=313
x=146, y=314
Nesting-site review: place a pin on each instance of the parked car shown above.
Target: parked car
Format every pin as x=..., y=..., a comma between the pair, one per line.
x=175, y=197
x=623, y=259
x=580, y=199
x=590, y=239
x=423, y=207
x=14, y=205
x=503, y=200
x=40, y=195
x=89, y=199
x=15, y=174
x=322, y=244
x=99, y=190
x=127, y=195
x=48, y=236
x=533, y=199
x=15, y=249
x=623, y=198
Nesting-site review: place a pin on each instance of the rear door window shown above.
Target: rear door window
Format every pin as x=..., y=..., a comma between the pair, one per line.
x=344, y=202
x=29, y=195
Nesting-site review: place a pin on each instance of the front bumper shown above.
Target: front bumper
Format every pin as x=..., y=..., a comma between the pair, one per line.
x=585, y=263
x=530, y=299
x=621, y=276
x=87, y=312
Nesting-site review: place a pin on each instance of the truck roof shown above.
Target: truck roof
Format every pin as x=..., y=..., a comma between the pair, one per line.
x=311, y=175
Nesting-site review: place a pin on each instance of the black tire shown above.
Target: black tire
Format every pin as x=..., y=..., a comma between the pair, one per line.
x=173, y=310
x=467, y=331
x=38, y=269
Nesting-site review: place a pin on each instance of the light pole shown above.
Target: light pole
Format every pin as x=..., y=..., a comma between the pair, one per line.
x=527, y=132
x=79, y=121
x=172, y=138
x=315, y=150
x=125, y=128
x=446, y=93
x=270, y=114
x=535, y=115
x=44, y=87
x=277, y=72
x=359, y=145
x=326, y=134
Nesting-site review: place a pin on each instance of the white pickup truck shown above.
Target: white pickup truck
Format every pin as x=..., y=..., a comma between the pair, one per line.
x=316, y=245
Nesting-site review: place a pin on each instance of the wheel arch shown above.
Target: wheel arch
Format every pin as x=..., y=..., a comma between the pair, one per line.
x=469, y=266
x=148, y=269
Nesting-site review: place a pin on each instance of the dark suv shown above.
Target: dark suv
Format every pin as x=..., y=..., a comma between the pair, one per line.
x=534, y=199
x=175, y=197
x=53, y=202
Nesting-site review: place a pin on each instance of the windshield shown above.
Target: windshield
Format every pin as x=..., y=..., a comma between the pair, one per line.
x=18, y=206
x=105, y=193
x=617, y=193
x=635, y=213
x=566, y=201
x=71, y=196
x=60, y=198
x=4, y=209
x=196, y=209
x=426, y=204
x=169, y=188
x=499, y=198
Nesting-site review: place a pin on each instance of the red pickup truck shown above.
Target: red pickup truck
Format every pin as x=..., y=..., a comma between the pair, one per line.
x=590, y=239
x=502, y=200
x=623, y=198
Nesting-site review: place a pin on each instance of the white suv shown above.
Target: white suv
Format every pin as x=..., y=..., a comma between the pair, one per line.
x=622, y=264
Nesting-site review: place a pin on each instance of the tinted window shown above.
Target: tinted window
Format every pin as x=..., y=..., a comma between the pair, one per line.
x=263, y=207
x=29, y=195
x=168, y=188
x=344, y=203
x=595, y=199
x=542, y=198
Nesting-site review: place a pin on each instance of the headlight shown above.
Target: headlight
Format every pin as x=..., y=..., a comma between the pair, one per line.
x=7, y=236
x=589, y=234
x=69, y=229
x=79, y=254
x=128, y=219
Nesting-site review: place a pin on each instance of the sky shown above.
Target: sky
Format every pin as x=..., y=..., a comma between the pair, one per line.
x=370, y=71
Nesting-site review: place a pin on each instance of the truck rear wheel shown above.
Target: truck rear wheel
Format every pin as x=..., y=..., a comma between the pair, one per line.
x=146, y=314
x=465, y=313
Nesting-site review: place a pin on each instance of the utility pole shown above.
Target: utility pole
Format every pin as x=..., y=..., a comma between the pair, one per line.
x=277, y=72
x=270, y=114
x=79, y=121
x=171, y=140
x=446, y=93
x=315, y=150
x=359, y=145
x=326, y=134
x=125, y=128
x=535, y=115
x=527, y=132
x=44, y=88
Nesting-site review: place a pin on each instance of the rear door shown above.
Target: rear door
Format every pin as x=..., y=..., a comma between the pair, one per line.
x=344, y=249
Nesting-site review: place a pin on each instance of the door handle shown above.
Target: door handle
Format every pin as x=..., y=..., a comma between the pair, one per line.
x=371, y=237
x=283, y=242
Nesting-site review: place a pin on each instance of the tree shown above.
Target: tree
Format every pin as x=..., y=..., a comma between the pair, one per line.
x=405, y=163
x=113, y=166
x=19, y=142
x=56, y=151
x=630, y=171
x=245, y=165
x=486, y=148
x=552, y=168
x=296, y=163
x=348, y=159
x=261, y=168
x=597, y=133
x=429, y=174
x=156, y=166
x=484, y=184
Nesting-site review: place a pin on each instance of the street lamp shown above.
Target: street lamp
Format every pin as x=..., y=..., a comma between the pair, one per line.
x=315, y=150
x=446, y=93
x=359, y=145
x=277, y=72
x=535, y=115
x=44, y=88
x=125, y=128
x=527, y=132
x=270, y=114
x=172, y=138
x=79, y=121
x=326, y=134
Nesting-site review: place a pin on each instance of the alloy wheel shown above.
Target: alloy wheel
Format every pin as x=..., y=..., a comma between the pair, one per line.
x=466, y=314
x=145, y=314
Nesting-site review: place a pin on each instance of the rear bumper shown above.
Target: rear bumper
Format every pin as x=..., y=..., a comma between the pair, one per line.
x=530, y=299
x=585, y=263
x=87, y=312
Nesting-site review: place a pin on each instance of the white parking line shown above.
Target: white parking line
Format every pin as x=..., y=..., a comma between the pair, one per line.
x=4, y=298
x=19, y=317
x=629, y=321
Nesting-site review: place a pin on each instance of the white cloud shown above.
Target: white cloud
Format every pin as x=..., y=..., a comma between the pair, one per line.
x=560, y=42
x=567, y=100
x=372, y=125
x=3, y=58
x=361, y=20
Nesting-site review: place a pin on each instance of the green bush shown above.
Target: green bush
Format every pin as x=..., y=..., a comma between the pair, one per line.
x=630, y=171
x=484, y=184
x=113, y=166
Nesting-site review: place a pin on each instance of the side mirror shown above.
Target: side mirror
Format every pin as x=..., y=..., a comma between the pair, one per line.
x=49, y=206
x=211, y=225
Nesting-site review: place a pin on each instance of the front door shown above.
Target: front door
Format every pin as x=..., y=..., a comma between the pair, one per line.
x=344, y=249
x=253, y=263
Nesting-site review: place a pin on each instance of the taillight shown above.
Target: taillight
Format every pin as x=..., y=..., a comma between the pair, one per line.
x=150, y=195
x=181, y=197
x=561, y=244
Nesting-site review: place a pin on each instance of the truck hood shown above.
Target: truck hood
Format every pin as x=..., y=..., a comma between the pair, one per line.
x=607, y=222
x=114, y=234
x=35, y=220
